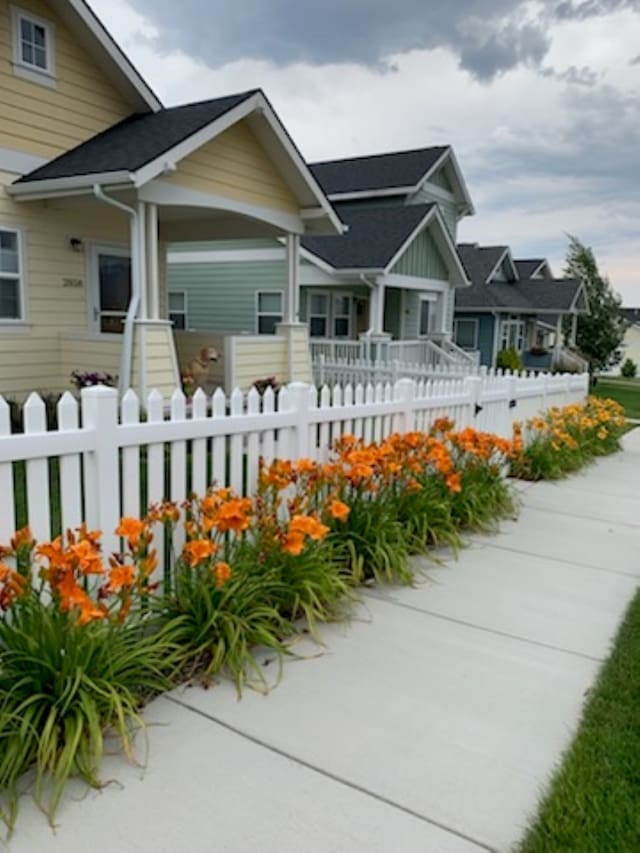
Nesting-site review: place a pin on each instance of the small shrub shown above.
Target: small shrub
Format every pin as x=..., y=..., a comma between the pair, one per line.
x=261, y=385
x=629, y=369
x=509, y=359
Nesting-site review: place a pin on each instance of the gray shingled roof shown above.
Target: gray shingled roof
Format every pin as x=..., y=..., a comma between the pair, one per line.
x=527, y=267
x=525, y=297
x=479, y=261
x=136, y=141
x=376, y=171
x=375, y=235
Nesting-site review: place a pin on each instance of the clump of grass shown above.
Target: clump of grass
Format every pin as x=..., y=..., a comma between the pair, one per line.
x=594, y=800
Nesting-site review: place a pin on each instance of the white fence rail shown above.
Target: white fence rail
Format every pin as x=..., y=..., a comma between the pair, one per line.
x=343, y=371
x=107, y=459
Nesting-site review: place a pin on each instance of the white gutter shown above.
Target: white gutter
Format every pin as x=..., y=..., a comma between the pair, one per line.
x=127, y=341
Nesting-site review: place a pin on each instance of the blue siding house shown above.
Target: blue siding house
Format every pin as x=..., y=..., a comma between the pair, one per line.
x=519, y=305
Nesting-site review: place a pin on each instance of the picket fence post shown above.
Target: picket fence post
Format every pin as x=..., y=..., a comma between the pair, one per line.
x=102, y=463
x=300, y=403
x=404, y=392
x=473, y=386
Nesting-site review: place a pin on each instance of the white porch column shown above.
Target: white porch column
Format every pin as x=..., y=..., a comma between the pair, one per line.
x=574, y=330
x=293, y=279
x=140, y=249
x=152, y=262
x=377, y=308
x=558, y=342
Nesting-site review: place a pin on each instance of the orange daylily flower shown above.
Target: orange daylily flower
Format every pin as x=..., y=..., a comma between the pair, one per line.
x=222, y=572
x=339, y=510
x=234, y=515
x=131, y=529
x=121, y=577
x=308, y=525
x=294, y=543
x=198, y=551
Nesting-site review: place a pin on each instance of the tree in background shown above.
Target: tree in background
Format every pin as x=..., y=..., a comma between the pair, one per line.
x=600, y=331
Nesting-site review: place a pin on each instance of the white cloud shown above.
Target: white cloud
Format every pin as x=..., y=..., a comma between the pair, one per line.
x=542, y=156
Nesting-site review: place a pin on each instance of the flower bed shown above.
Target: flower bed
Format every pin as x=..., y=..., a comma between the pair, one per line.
x=86, y=638
x=564, y=440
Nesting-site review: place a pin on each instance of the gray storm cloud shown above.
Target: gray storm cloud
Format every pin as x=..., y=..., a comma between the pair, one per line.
x=488, y=36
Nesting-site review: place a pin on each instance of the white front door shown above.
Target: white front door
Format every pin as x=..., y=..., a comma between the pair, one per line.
x=110, y=274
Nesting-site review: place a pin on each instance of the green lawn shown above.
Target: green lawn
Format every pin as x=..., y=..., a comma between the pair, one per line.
x=594, y=801
x=625, y=391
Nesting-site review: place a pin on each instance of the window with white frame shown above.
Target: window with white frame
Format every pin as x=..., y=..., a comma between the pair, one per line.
x=10, y=275
x=342, y=316
x=178, y=309
x=270, y=311
x=33, y=44
x=512, y=334
x=465, y=333
x=318, y=315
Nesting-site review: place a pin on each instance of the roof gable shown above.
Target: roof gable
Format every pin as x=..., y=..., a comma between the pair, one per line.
x=136, y=141
x=532, y=296
x=374, y=237
x=378, y=239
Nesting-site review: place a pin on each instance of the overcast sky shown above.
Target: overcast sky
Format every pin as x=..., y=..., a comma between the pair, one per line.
x=541, y=100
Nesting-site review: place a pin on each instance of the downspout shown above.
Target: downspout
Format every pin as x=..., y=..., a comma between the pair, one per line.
x=127, y=340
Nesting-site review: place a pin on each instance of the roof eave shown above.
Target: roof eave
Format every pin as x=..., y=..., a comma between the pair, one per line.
x=71, y=185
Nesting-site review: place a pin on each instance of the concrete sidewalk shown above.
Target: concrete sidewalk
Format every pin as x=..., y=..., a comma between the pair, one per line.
x=430, y=723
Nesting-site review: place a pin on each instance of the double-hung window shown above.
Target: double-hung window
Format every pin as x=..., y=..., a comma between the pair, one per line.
x=466, y=333
x=342, y=316
x=11, y=273
x=270, y=311
x=178, y=309
x=33, y=46
x=318, y=315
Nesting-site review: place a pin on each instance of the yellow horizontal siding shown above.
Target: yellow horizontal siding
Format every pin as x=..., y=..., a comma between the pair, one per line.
x=235, y=165
x=47, y=121
x=55, y=340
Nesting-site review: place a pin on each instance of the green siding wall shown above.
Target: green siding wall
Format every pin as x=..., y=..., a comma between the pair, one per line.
x=221, y=297
x=422, y=259
x=441, y=179
x=448, y=209
x=225, y=245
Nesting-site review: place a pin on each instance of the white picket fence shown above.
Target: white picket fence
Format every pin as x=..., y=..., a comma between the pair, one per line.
x=354, y=371
x=113, y=460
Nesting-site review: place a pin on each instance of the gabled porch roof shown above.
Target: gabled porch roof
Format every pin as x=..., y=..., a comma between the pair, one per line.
x=377, y=237
x=151, y=147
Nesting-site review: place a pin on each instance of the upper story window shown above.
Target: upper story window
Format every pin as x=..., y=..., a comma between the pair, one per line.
x=33, y=47
x=10, y=275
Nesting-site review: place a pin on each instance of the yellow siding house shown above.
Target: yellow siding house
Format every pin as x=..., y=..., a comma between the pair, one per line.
x=96, y=178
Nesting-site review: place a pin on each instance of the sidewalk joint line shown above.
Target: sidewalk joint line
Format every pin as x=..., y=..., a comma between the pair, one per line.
x=562, y=560
x=583, y=517
x=518, y=637
x=329, y=775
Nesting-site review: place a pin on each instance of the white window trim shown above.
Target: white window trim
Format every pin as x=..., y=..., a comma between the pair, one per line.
x=260, y=314
x=7, y=322
x=45, y=76
x=185, y=309
x=508, y=323
x=93, y=292
x=476, y=330
x=432, y=299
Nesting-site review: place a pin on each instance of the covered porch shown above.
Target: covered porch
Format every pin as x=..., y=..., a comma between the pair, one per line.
x=232, y=173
